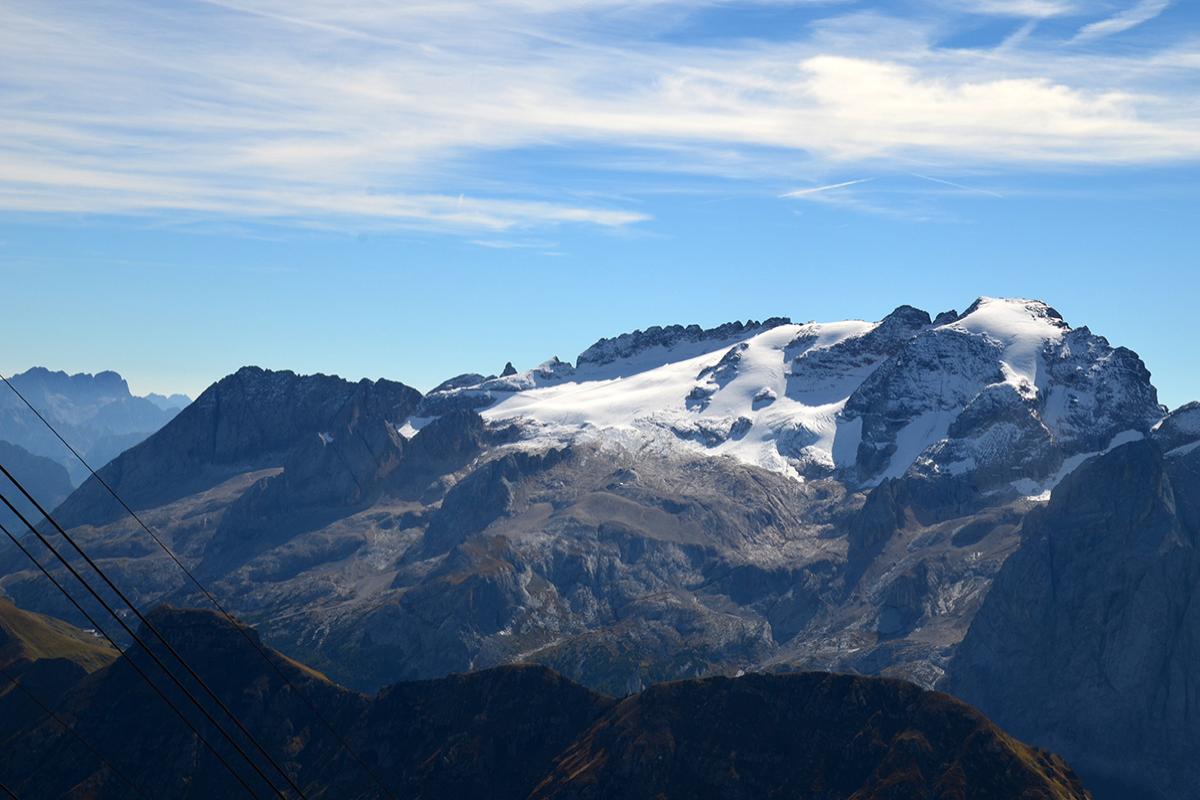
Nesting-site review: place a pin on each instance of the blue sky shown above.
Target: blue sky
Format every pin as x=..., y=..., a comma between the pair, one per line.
x=420, y=189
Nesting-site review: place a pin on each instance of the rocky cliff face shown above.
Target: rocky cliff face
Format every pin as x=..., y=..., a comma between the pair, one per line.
x=1179, y=430
x=252, y=419
x=326, y=476
x=1089, y=641
x=1005, y=393
x=518, y=732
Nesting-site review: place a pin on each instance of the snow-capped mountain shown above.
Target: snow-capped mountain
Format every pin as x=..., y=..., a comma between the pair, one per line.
x=678, y=502
x=1007, y=394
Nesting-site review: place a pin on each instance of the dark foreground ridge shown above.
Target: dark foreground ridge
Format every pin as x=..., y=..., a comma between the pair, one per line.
x=517, y=732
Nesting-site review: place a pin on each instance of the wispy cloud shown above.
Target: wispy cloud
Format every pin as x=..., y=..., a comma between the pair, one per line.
x=827, y=187
x=902, y=195
x=381, y=114
x=1036, y=9
x=961, y=186
x=1139, y=12
x=514, y=244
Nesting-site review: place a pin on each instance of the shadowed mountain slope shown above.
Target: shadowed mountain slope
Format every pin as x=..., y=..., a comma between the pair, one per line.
x=1096, y=613
x=47, y=657
x=524, y=731
x=813, y=735
x=45, y=478
x=252, y=419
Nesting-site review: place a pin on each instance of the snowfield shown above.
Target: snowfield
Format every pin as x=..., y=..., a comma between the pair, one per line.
x=861, y=400
x=666, y=399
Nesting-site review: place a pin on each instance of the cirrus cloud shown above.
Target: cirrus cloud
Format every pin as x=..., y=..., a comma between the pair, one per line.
x=378, y=114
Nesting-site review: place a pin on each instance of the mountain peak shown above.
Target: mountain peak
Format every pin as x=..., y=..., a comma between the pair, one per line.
x=998, y=308
x=903, y=323
x=169, y=402
x=41, y=380
x=909, y=315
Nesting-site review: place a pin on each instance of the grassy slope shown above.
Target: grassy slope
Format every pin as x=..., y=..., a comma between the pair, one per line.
x=25, y=636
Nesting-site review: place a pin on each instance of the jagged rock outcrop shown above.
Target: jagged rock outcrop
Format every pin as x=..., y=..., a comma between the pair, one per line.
x=606, y=351
x=713, y=378
x=481, y=498
x=446, y=444
x=459, y=381
x=251, y=419
x=1098, y=391
x=880, y=517
x=835, y=370
x=997, y=440
x=325, y=477
x=465, y=397
x=1003, y=394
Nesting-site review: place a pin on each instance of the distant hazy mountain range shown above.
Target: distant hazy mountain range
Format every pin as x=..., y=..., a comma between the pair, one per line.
x=508, y=733
x=95, y=413
x=919, y=497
